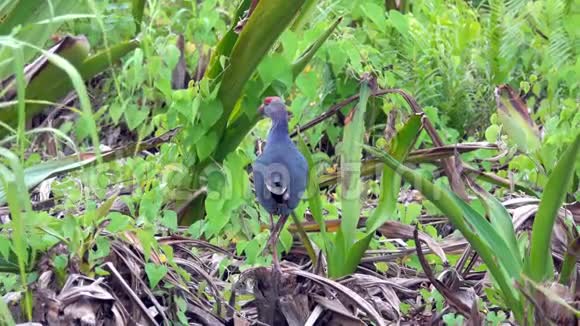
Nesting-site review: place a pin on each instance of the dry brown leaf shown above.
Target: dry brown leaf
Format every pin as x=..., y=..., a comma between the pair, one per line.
x=355, y=299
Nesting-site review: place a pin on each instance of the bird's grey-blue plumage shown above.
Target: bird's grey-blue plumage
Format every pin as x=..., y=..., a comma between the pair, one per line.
x=280, y=172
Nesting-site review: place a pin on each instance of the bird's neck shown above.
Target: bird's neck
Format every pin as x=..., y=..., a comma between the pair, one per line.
x=279, y=130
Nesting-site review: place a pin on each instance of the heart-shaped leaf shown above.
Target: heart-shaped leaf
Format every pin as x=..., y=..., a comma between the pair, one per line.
x=134, y=116
x=155, y=273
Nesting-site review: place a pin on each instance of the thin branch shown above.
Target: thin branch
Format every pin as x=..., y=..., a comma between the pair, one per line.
x=452, y=299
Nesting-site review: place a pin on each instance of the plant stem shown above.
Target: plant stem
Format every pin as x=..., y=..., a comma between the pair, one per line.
x=569, y=263
x=568, y=266
x=305, y=240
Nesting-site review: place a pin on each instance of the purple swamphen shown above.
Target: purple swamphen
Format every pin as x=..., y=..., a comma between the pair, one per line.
x=280, y=172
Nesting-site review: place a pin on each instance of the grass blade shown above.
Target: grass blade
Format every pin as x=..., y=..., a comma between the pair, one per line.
x=19, y=204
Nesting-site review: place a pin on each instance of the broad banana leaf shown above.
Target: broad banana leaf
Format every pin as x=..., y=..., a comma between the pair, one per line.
x=47, y=82
x=36, y=24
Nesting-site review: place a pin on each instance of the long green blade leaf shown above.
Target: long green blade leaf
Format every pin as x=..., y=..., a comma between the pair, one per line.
x=265, y=25
x=501, y=221
x=552, y=199
x=350, y=164
x=457, y=212
x=137, y=11
x=242, y=124
x=400, y=147
x=224, y=47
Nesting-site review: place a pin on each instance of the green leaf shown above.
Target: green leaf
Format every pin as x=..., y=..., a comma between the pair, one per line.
x=336, y=256
x=155, y=273
x=313, y=189
x=399, y=22
x=105, y=207
x=308, y=84
x=210, y=113
x=501, y=221
x=195, y=230
x=52, y=77
x=350, y=163
x=268, y=20
x=337, y=55
x=474, y=227
x=147, y=239
x=375, y=13
x=37, y=173
x=169, y=220
x=540, y=268
x=116, y=110
x=135, y=116
x=286, y=239
x=46, y=78
x=355, y=254
x=305, y=13
x=150, y=204
x=492, y=133
x=399, y=148
x=226, y=44
x=104, y=59
x=118, y=222
x=492, y=237
x=275, y=67
x=238, y=129
x=5, y=315
x=309, y=53
x=103, y=248
x=215, y=217
x=206, y=145
x=410, y=213
x=4, y=247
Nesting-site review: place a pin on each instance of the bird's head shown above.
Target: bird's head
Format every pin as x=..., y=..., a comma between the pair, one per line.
x=273, y=107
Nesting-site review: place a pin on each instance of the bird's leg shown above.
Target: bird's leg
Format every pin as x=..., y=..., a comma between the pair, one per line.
x=274, y=239
x=273, y=244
